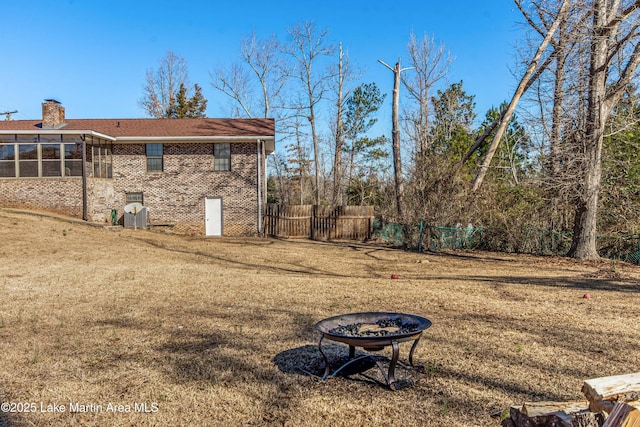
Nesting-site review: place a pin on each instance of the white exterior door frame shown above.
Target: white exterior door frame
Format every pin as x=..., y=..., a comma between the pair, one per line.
x=213, y=216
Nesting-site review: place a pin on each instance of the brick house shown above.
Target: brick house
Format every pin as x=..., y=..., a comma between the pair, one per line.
x=202, y=176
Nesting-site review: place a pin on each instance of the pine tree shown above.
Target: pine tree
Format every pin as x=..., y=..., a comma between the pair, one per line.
x=185, y=107
x=197, y=104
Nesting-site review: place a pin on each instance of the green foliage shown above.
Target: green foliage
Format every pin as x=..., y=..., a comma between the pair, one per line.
x=272, y=196
x=620, y=195
x=369, y=162
x=359, y=119
x=451, y=133
x=511, y=160
x=184, y=107
x=367, y=156
x=364, y=101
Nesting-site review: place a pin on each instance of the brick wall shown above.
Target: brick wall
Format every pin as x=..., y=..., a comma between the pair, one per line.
x=177, y=195
x=59, y=195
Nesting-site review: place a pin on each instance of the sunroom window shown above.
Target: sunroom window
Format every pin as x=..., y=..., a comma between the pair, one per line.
x=51, y=164
x=28, y=160
x=46, y=156
x=7, y=161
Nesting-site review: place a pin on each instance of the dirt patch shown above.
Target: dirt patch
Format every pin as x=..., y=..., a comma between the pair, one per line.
x=196, y=331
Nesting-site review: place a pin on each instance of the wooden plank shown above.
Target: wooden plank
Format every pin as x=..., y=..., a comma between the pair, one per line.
x=319, y=222
x=623, y=415
x=618, y=387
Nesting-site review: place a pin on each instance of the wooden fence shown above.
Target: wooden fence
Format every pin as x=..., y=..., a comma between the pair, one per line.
x=319, y=222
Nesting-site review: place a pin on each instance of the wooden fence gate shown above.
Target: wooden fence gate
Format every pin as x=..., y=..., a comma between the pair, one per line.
x=319, y=222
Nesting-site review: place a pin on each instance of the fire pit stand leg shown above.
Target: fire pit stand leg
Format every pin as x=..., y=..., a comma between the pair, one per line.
x=389, y=375
x=391, y=378
x=413, y=348
x=327, y=368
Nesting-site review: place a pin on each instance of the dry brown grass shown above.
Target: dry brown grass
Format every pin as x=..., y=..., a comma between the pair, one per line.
x=216, y=331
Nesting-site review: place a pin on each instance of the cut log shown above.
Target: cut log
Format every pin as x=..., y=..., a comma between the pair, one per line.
x=553, y=414
x=601, y=406
x=587, y=419
x=623, y=415
x=562, y=410
x=599, y=391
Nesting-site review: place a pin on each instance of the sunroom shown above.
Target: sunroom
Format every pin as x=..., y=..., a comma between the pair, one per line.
x=54, y=155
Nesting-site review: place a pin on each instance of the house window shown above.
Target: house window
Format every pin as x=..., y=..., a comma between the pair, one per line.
x=73, y=159
x=135, y=197
x=222, y=157
x=28, y=160
x=7, y=161
x=154, y=158
x=32, y=156
x=51, y=165
x=101, y=157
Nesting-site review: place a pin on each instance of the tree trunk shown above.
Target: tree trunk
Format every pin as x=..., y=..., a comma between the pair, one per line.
x=316, y=155
x=395, y=138
x=557, y=122
x=395, y=142
x=583, y=245
x=337, y=163
x=602, y=98
x=518, y=94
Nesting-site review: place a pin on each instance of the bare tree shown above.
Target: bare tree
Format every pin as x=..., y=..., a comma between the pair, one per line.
x=604, y=35
x=162, y=85
x=307, y=48
x=525, y=82
x=395, y=137
x=560, y=100
x=235, y=82
x=339, y=145
x=431, y=64
x=344, y=74
x=614, y=59
x=262, y=66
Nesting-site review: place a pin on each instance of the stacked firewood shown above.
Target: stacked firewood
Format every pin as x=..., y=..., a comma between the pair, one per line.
x=610, y=402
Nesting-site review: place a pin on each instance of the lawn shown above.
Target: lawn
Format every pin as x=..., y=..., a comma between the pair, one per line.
x=136, y=327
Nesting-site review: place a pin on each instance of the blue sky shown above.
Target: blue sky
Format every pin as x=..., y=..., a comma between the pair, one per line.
x=92, y=55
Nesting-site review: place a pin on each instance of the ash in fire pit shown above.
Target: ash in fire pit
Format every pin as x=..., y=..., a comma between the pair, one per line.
x=381, y=328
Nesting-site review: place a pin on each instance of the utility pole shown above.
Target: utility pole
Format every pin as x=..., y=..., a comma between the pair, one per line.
x=395, y=136
x=8, y=114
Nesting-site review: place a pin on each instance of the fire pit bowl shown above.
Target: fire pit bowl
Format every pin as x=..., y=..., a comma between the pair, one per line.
x=372, y=331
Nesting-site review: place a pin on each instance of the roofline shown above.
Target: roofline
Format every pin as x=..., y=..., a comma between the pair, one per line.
x=136, y=138
x=55, y=132
x=250, y=138
x=269, y=139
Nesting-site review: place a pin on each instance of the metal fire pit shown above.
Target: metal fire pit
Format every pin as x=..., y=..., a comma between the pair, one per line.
x=372, y=331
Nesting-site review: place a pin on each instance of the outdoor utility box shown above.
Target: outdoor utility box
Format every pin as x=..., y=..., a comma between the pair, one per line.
x=135, y=216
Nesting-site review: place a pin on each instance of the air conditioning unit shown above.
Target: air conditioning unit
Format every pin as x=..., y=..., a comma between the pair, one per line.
x=135, y=215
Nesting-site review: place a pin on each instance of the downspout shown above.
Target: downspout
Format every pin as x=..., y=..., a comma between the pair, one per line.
x=84, y=178
x=259, y=177
x=264, y=172
x=264, y=175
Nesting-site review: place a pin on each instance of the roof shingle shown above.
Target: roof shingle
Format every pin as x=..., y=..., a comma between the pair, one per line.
x=156, y=127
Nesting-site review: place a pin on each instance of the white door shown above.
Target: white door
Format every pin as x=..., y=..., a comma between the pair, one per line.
x=213, y=216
